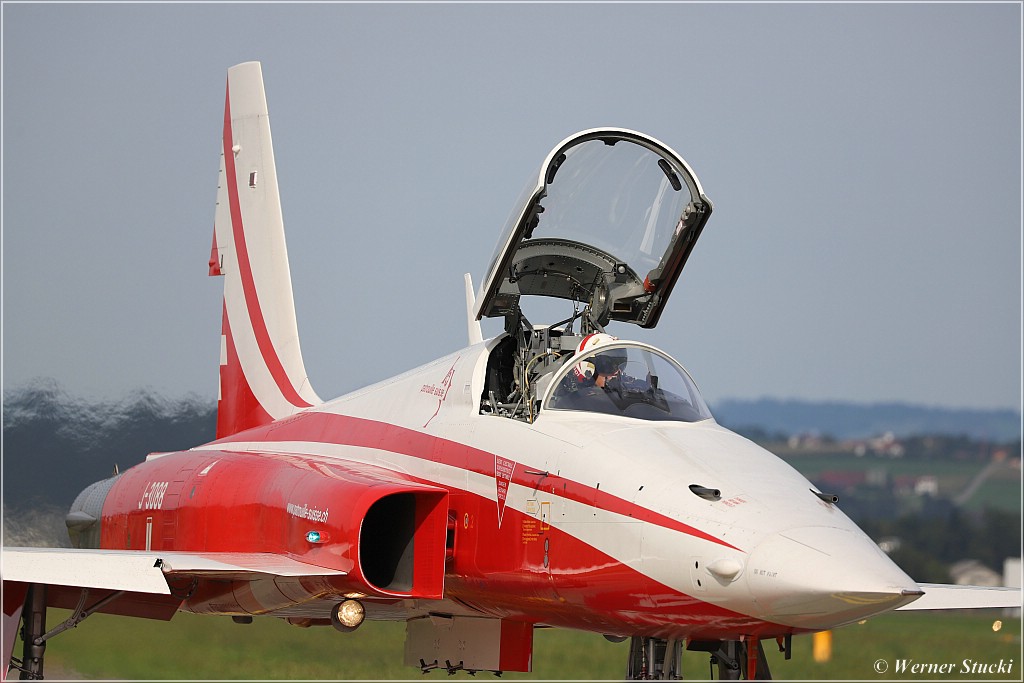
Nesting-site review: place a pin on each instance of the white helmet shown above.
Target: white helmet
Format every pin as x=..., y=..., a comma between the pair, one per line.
x=585, y=370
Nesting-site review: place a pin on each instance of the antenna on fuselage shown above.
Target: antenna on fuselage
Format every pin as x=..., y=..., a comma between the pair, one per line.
x=476, y=335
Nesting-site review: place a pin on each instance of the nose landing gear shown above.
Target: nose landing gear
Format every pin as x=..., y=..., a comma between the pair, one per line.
x=654, y=659
x=660, y=660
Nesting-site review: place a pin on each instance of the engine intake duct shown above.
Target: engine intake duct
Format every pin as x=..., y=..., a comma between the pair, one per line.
x=402, y=543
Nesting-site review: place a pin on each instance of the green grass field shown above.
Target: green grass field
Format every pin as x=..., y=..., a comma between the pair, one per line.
x=811, y=466
x=191, y=647
x=1002, y=490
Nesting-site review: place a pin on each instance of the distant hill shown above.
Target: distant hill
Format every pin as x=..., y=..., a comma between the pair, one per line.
x=54, y=445
x=858, y=420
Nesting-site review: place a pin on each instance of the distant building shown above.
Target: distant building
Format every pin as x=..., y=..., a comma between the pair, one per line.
x=878, y=476
x=809, y=441
x=840, y=479
x=1011, y=578
x=886, y=446
x=973, y=573
x=927, y=485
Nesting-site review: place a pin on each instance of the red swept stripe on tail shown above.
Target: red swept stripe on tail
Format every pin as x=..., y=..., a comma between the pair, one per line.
x=237, y=408
x=262, y=377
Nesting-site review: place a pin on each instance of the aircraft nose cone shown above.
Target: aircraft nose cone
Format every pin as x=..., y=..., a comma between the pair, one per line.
x=822, y=577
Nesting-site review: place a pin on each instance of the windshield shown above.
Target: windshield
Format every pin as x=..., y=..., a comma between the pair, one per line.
x=623, y=199
x=631, y=381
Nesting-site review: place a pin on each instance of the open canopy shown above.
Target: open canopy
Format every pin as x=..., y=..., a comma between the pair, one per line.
x=609, y=222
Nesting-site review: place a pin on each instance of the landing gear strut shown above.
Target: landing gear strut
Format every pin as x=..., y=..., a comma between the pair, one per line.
x=33, y=629
x=655, y=659
x=34, y=619
x=738, y=660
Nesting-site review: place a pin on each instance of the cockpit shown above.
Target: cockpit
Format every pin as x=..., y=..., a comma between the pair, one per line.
x=630, y=380
x=613, y=377
x=603, y=229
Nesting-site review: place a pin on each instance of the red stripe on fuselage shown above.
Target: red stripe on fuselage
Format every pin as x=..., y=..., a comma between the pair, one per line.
x=583, y=587
x=320, y=427
x=252, y=303
x=497, y=570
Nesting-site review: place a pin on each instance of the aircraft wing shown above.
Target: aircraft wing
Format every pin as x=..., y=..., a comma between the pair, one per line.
x=102, y=569
x=132, y=582
x=126, y=582
x=948, y=596
x=142, y=571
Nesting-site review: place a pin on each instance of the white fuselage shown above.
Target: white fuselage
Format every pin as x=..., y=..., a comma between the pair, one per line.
x=616, y=491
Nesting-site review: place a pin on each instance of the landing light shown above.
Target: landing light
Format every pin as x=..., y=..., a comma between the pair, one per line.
x=348, y=615
x=996, y=625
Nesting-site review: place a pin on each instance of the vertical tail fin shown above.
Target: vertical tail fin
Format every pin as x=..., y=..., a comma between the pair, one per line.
x=262, y=376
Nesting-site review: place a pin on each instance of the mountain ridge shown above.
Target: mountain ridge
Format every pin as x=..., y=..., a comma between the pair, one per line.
x=54, y=444
x=850, y=420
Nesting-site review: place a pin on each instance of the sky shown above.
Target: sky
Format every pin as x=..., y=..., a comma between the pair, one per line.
x=864, y=161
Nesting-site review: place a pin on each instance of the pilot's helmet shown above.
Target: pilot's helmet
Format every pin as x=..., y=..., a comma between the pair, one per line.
x=586, y=369
x=609, y=362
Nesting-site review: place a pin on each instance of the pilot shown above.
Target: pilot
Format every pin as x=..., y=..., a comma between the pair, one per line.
x=586, y=371
x=606, y=368
x=586, y=388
